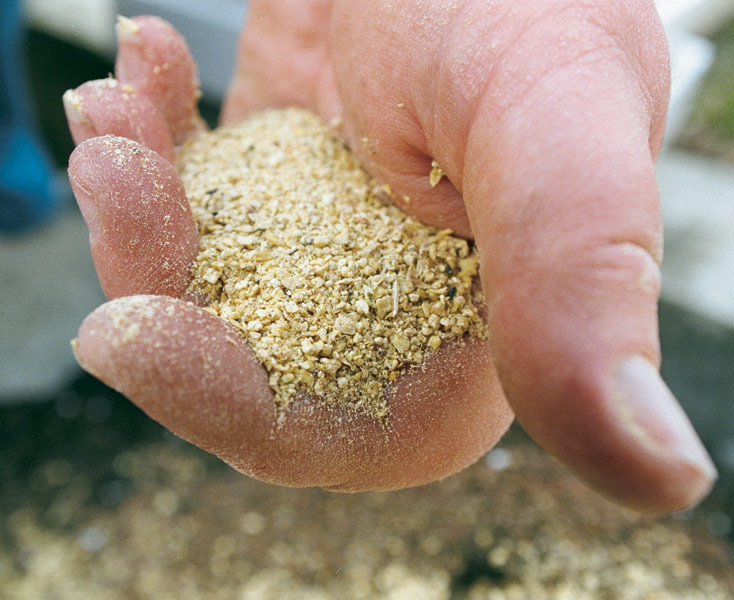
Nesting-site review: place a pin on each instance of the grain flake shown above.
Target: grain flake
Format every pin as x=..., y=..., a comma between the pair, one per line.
x=436, y=174
x=335, y=289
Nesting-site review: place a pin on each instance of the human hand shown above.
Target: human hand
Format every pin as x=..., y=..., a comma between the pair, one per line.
x=189, y=369
x=546, y=120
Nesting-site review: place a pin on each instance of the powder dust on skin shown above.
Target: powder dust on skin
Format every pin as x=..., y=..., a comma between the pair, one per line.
x=335, y=289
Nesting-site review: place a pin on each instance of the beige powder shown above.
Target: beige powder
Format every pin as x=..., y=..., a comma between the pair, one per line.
x=335, y=289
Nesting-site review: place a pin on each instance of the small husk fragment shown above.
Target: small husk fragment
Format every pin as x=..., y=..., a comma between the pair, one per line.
x=436, y=174
x=335, y=289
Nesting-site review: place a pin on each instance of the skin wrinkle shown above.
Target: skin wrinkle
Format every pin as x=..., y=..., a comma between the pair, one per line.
x=606, y=268
x=604, y=188
x=516, y=97
x=470, y=94
x=448, y=160
x=89, y=210
x=404, y=161
x=642, y=59
x=523, y=28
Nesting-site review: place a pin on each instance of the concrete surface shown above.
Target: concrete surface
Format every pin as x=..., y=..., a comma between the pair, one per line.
x=47, y=286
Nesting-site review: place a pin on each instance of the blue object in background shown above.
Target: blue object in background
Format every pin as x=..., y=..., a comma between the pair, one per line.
x=26, y=175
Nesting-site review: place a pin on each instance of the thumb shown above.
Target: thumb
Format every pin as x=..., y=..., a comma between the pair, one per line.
x=562, y=199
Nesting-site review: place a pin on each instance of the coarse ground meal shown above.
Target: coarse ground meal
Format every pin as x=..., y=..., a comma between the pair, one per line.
x=161, y=519
x=335, y=289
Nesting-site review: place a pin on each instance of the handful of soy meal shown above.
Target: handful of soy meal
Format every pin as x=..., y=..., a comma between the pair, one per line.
x=336, y=290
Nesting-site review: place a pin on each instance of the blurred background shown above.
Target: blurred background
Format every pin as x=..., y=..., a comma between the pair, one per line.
x=51, y=413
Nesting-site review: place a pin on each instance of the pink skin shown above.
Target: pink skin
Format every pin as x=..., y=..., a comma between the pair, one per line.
x=546, y=118
x=128, y=192
x=155, y=60
x=106, y=106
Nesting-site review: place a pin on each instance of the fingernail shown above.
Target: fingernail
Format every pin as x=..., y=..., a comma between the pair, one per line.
x=127, y=30
x=80, y=125
x=653, y=416
x=73, y=107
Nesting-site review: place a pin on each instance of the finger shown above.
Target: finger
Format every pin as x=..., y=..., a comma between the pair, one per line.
x=561, y=192
x=105, y=107
x=154, y=59
x=193, y=373
x=141, y=230
x=283, y=59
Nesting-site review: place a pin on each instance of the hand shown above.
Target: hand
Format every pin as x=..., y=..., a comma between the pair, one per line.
x=546, y=119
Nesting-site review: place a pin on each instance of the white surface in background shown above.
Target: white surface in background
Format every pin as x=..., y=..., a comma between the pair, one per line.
x=48, y=287
x=89, y=23
x=695, y=16
x=698, y=206
x=690, y=58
